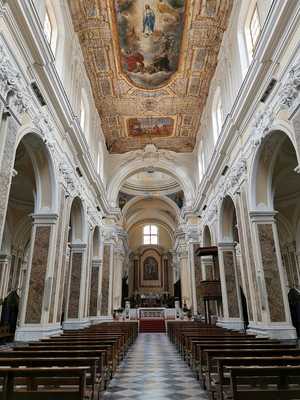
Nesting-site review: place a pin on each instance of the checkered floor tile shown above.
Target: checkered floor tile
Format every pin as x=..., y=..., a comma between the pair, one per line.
x=153, y=370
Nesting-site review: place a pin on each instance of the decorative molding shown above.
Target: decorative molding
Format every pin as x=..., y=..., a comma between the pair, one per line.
x=291, y=88
x=184, y=94
x=18, y=99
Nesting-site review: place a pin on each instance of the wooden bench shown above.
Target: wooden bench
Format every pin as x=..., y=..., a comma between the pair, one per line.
x=191, y=356
x=212, y=356
x=203, y=358
x=66, y=354
x=43, y=383
x=220, y=381
x=95, y=381
x=265, y=383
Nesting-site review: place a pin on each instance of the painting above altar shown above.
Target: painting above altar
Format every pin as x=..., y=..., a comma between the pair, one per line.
x=150, y=35
x=150, y=269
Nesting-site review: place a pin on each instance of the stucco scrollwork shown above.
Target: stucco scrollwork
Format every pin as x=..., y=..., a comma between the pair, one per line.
x=291, y=88
x=262, y=125
x=19, y=98
x=231, y=183
x=12, y=88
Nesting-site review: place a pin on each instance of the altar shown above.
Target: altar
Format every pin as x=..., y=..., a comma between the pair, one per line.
x=152, y=313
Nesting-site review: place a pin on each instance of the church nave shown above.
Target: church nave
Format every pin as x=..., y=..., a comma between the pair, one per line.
x=153, y=370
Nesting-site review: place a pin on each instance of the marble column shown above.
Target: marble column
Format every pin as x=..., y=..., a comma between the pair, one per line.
x=185, y=278
x=270, y=275
x=34, y=313
x=230, y=286
x=39, y=263
x=249, y=246
x=95, y=274
x=117, y=278
x=242, y=261
x=4, y=274
x=165, y=273
x=75, y=301
x=192, y=281
x=198, y=279
x=105, y=292
x=60, y=253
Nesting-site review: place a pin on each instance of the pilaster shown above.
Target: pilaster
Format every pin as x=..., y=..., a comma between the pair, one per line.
x=270, y=276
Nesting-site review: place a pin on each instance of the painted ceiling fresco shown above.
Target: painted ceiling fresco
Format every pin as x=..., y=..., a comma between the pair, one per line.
x=150, y=63
x=149, y=35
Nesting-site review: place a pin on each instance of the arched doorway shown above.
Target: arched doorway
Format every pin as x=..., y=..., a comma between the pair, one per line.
x=26, y=265
x=275, y=220
x=75, y=290
x=230, y=264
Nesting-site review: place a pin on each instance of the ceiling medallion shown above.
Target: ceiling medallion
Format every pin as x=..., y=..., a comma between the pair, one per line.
x=149, y=38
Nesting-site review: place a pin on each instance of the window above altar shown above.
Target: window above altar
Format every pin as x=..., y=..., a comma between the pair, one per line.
x=150, y=234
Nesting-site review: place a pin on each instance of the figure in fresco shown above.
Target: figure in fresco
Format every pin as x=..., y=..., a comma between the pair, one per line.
x=148, y=20
x=150, y=34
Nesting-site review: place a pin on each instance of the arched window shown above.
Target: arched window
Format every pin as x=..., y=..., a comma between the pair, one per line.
x=252, y=30
x=50, y=29
x=217, y=114
x=150, y=234
x=248, y=33
x=82, y=114
x=201, y=160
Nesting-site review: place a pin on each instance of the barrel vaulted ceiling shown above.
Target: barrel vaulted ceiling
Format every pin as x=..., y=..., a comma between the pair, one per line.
x=150, y=63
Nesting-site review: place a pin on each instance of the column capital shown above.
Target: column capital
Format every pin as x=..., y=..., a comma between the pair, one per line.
x=263, y=216
x=44, y=218
x=4, y=258
x=78, y=247
x=96, y=262
x=226, y=246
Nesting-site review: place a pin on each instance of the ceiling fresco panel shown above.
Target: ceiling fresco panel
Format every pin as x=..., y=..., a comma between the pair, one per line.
x=149, y=38
x=150, y=64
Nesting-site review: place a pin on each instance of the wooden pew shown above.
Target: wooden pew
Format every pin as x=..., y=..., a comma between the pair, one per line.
x=110, y=367
x=212, y=355
x=94, y=380
x=100, y=355
x=265, y=383
x=43, y=383
x=221, y=379
x=203, y=358
x=191, y=357
x=117, y=340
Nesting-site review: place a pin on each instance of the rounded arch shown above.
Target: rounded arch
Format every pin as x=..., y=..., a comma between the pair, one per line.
x=46, y=196
x=227, y=221
x=139, y=166
x=132, y=202
x=77, y=222
x=261, y=188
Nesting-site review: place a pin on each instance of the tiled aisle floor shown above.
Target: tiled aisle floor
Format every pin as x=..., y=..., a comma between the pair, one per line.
x=153, y=370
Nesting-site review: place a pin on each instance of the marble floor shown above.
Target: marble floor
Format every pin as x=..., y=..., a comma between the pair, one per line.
x=153, y=370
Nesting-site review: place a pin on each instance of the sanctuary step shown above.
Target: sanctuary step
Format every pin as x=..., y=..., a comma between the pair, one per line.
x=152, y=325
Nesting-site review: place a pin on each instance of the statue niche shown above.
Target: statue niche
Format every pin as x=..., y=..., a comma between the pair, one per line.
x=150, y=269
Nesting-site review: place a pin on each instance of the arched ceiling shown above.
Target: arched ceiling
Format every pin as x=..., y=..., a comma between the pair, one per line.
x=150, y=63
x=150, y=182
x=155, y=209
